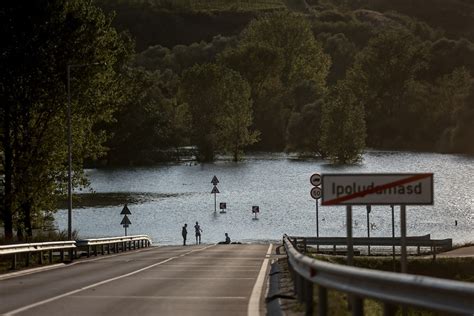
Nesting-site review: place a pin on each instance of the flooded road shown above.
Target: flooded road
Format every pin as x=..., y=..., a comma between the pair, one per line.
x=164, y=197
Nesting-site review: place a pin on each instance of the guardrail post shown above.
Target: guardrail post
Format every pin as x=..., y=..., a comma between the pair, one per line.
x=14, y=261
x=50, y=256
x=95, y=250
x=309, y=297
x=40, y=258
x=357, y=306
x=305, y=246
x=88, y=251
x=389, y=309
x=300, y=288
x=61, y=254
x=334, y=249
x=322, y=301
x=27, y=259
x=102, y=249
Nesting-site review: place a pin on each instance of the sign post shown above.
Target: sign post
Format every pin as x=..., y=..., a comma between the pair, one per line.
x=369, y=208
x=393, y=235
x=223, y=207
x=215, y=181
x=125, y=221
x=350, y=242
x=403, y=239
x=255, y=211
x=316, y=194
x=378, y=189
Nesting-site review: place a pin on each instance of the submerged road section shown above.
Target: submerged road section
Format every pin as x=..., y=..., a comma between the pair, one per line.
x=193, y=280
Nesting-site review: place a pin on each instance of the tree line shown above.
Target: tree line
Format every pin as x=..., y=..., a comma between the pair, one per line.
x=326, y=85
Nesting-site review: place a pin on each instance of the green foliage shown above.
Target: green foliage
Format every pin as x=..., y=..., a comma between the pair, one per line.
x=452, y=107
x=277, y=55
x=48, y=36
x=290, y=34
x=152, y=24
x=380, y=79
x=342, y=52
x=343, y=130
x=453, y=16
x=148, y=121
x=304, y=130
x=220, y=107
x=446, y=55
x=181, y=57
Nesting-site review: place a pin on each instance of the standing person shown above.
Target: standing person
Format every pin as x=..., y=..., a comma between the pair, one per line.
x=184, y=232
x=198, y=230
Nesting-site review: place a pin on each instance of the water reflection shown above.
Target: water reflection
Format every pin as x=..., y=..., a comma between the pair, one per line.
x=162, y=198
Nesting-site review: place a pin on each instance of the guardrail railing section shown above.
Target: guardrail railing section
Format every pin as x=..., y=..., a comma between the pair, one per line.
x=23, y=252
x=114, y=244
x=393, y=290
x=70, y=249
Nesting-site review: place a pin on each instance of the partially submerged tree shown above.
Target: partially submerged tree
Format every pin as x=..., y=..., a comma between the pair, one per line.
x=220, y=108
x=343, y=126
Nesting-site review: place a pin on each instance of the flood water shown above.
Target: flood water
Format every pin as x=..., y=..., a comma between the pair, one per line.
x=164, y=197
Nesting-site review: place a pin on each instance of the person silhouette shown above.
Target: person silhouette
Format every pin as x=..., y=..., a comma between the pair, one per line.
x=184, y=232
x=227, y=240
x=198, y=230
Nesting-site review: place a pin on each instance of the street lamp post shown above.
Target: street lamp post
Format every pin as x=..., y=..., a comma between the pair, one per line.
x=69, y=146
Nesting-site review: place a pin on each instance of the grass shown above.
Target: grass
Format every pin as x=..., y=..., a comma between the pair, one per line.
x=460, y=269
x=219, y=5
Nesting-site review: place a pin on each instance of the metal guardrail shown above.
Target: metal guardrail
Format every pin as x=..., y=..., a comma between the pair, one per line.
x=388, y=287
x=413, y=241
x=41, y=248
x=115, y=244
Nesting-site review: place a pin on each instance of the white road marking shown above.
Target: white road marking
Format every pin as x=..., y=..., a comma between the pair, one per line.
x=162, y=297
x=31, y=271
x=27, y=307
x=254, y=302
x=64, y=265
x=194, y=278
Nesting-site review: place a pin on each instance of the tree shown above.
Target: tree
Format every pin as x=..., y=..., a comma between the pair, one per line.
x=343, y=126
x=277, y=54
x=304, y=129
x=290, y=34
x=261, y=66
x=342, y=52
x=381, y=77
x=148, y=122
x=220, y=108
x=40, y=39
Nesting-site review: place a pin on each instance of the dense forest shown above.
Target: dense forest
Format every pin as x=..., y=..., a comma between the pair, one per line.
x=145, y=79
x=330, y=79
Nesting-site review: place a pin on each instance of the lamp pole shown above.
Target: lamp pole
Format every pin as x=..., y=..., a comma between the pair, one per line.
x=69, y=146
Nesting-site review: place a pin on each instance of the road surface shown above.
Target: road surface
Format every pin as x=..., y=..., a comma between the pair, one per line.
x=195, y=280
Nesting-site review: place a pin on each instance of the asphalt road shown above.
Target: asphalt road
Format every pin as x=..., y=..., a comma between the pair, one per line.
x=193, y=280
